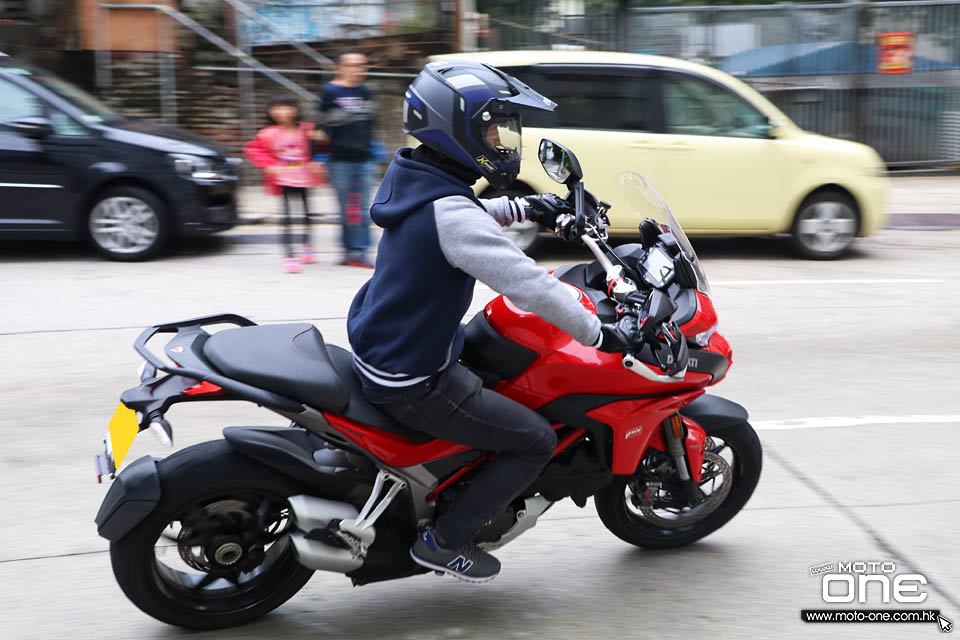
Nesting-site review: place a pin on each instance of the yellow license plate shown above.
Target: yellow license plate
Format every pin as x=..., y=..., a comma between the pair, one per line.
x=123, y=429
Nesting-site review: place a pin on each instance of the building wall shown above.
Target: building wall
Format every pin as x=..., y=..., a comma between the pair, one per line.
x=125, y=29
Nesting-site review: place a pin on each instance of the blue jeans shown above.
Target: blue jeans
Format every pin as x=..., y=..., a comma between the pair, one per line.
x=352, y=181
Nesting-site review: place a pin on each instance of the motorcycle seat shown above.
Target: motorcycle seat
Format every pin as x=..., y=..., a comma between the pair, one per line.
x=289, y=359
x=362, y=410
x=293, y=360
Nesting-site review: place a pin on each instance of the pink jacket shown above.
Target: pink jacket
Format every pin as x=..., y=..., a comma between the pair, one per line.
x=263, y=150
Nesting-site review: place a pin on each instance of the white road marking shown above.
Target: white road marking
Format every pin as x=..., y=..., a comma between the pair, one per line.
x=851, y=421
x=740, y=283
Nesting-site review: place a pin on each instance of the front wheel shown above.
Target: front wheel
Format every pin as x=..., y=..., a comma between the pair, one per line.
x=647, y=510
x=213, y=553
x=825, y=226
x=128, y=224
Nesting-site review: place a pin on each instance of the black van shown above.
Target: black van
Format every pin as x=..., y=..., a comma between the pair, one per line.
x=71, y=168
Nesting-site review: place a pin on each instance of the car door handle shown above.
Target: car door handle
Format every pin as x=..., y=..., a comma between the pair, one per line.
x=644, y=145
x=680, y=146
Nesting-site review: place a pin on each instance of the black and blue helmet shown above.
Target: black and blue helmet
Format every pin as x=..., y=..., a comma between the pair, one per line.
x=470, y=113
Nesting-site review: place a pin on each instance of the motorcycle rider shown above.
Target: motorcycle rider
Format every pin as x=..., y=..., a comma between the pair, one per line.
x=438, y=240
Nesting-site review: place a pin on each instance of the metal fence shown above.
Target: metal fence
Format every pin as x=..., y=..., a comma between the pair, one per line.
x=817, y=62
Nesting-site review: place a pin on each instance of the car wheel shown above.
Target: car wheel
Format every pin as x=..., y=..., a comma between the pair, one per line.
x=526, y=235
x=128, y=224
x=825, y=225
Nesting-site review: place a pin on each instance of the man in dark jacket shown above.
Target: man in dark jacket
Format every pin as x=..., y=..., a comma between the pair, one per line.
x=351, y=163
x=438, y=240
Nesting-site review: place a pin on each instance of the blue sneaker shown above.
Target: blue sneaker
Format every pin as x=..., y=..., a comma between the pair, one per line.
x=469, y=563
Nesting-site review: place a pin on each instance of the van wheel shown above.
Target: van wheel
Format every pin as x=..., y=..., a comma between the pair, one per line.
x=527, y=235
x=825, y=225
x=128, y=224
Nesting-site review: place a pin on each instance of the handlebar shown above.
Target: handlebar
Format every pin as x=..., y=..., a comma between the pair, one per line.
x=621, y=289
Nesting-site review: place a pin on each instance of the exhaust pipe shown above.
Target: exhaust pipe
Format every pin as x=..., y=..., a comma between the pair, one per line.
x=309, y=513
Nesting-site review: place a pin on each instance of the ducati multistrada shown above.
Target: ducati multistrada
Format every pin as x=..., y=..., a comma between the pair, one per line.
x=220, y=533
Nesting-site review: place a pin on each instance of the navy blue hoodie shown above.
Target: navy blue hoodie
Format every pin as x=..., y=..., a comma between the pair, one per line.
x=438, y=239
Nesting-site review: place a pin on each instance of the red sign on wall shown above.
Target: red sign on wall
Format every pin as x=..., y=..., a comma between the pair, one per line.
x=895, y=52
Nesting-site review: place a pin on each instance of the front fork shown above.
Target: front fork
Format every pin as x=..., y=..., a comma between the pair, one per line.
x=685, y=442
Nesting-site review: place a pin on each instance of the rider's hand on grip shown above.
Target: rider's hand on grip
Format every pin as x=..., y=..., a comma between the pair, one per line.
x=620, y=336
x=544, y=208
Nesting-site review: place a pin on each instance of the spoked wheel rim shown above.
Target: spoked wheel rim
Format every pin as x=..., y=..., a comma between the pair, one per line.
x=661, y=506
x=124, y=224
x=827, y=227
x=225, y=553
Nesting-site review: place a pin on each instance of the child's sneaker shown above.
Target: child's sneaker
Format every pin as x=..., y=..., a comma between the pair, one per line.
x=356, y=262
x=307, y=254
x=292, y=265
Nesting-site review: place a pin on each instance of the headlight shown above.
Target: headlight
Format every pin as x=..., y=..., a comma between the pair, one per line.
x=194, y=167
x=703, y=339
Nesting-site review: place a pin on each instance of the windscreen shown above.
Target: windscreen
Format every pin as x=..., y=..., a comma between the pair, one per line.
x=646, y=201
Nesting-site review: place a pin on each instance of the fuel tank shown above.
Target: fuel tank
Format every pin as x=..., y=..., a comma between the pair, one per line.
x=560, y=366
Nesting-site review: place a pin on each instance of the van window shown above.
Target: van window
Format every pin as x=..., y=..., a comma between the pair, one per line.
x=16, y=103
x=592, y=97
x=693, y=106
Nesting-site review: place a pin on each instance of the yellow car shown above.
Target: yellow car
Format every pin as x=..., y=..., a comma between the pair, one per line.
x=726, y=159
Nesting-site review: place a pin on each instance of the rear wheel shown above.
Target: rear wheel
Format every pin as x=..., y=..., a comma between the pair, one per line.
x=648, y=510
x=526, y=235
x=214, y=552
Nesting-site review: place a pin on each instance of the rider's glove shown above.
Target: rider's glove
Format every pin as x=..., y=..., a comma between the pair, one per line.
x=619, y=336
x=544, y=209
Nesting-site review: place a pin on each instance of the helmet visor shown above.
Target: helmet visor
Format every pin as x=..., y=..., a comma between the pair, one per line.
x=502, y=137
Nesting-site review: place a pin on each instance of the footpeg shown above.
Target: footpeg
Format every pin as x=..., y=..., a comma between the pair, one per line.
x=361, y=527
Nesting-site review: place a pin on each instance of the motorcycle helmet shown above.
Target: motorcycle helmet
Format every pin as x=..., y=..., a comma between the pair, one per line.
x=469, y=112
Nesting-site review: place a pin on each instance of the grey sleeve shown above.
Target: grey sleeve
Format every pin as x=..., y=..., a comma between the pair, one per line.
x=504, y=210
x=471, y=241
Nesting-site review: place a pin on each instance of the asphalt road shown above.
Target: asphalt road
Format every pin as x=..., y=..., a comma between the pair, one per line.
x=847, y=368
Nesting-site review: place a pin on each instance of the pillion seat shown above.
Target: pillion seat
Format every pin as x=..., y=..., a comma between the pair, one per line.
x=292, y=360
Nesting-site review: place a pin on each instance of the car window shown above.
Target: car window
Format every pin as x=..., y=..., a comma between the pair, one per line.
x=693, y=106
x=16, y=103
x=592, y=98
x=64, y=125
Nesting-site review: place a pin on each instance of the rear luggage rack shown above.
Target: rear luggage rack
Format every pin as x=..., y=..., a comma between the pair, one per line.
x=186, y=350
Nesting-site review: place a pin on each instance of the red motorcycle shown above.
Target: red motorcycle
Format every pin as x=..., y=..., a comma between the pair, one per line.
x=221, y=533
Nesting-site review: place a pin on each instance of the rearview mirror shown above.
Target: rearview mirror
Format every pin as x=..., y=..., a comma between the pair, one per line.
x=559, y=162
x=658, y=309
x=32, y=127
x=773, y=129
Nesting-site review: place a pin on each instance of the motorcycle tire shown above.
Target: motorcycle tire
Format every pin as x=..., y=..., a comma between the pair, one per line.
x=211, y=473
x=611, y=501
